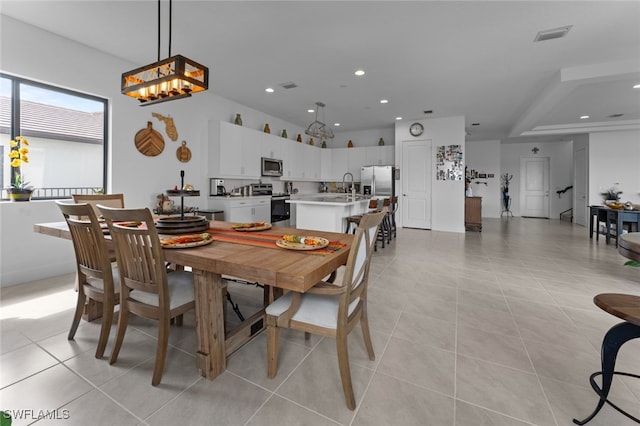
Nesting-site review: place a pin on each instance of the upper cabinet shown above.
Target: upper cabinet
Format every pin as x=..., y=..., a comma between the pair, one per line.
x=234, y=151
x=380, y=155
x=272, y=146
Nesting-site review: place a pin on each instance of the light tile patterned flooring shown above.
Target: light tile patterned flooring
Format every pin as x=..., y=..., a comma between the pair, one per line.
x=490, y=328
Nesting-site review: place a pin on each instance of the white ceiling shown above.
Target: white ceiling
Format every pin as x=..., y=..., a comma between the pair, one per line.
x=474, y=58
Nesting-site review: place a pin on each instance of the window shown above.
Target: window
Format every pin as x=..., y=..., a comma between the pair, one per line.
x=67, y=133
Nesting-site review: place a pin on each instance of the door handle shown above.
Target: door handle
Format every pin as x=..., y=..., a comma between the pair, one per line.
x=404, y=195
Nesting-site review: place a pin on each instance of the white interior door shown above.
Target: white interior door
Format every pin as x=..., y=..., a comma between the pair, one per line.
x=534, y=187
x=580, y=186
x=416, y=184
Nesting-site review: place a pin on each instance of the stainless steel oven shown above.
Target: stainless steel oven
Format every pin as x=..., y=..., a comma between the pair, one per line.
x=280, y=210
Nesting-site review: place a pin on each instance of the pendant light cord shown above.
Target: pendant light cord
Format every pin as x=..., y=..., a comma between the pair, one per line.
x=170, y=19
x=158, y=30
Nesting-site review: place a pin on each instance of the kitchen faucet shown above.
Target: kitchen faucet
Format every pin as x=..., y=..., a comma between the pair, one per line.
x=353, y=187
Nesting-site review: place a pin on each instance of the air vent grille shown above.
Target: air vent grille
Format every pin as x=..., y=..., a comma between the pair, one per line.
x=289, y=85
x=551, y=34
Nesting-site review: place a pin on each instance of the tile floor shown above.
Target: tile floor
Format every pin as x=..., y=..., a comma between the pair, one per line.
x=491, y=328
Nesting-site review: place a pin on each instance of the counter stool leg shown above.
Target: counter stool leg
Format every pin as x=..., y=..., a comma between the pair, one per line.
x=616, y=336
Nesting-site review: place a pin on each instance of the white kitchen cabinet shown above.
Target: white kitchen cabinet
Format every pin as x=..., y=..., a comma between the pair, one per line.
x=339, y=163
x=357, y=159
x=325, y=165
x=312, y=159
x=272, y=146
x=233, y=151
x=380, y=155
x=243, y=209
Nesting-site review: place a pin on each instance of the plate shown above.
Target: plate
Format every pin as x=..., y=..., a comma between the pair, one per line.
x=242, y=227
x=323, y=242
x=185, y=241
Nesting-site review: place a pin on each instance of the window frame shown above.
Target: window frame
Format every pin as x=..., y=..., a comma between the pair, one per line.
x=14, y=125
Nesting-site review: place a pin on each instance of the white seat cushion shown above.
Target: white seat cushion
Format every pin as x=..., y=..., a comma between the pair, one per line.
x=316, y=309
x=180, y=291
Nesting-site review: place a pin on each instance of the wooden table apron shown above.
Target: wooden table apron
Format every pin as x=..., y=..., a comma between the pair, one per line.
x=629, y=246
x=285, y=269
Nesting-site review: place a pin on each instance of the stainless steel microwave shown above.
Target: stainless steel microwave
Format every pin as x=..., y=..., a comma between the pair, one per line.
x=271, y=167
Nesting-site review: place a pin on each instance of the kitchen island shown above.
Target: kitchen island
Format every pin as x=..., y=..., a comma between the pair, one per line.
x=327, y=212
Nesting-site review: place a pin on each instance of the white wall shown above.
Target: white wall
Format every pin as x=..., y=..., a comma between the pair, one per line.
x=484, y=156
x=614, y=157
x=560, y=172
x=447, y=196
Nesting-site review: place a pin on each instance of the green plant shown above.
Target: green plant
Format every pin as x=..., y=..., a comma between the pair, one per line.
x=5, y=418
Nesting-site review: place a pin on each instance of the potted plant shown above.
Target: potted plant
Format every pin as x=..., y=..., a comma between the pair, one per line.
x=19, y=154
x=612, y=194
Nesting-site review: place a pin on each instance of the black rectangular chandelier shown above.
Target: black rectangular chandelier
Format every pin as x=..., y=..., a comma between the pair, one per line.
x=173, y=78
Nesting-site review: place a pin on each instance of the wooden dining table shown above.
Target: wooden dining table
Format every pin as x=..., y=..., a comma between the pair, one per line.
x=268, y=265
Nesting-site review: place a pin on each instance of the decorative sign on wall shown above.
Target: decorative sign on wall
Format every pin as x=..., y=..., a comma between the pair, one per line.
x=449, y=164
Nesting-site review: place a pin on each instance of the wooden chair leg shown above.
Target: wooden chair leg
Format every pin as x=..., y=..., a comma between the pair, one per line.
x=364, y=323
x=179, y=320
x=77, y=316
x=272, y=349
x=161, y=350
x=105, y=329
x=123, y=319
x=345, y=371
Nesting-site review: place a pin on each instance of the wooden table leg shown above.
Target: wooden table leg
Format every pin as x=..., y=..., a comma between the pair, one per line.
x=211, y=356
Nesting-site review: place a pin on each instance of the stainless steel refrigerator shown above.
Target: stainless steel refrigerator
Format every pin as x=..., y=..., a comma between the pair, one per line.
x=377, y=181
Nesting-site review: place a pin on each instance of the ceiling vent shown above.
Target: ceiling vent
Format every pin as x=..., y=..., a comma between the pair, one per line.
x=289, y=85
x=615, y=115
x=551, y=34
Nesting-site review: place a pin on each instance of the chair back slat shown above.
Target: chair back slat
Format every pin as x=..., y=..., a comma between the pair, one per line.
x=138, y=249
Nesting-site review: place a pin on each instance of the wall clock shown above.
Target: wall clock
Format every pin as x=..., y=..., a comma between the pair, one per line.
x=416, y=129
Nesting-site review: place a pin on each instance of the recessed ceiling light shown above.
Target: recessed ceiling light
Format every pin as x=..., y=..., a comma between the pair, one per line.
x=398, y=118
x=637, y=86
x=311, y=110
x=384, y=101
x=269, y=90
x=359, y=73
x=336, y=124
x=584, y=117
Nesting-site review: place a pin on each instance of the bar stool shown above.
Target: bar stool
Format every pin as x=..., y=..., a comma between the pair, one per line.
x=355, y=219
x=384, y=233
x=392, y=215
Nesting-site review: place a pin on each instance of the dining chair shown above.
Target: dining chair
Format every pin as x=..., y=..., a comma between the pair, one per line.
x=109, y=200
x=147, y=289
x=97, y=278
x=331, y=310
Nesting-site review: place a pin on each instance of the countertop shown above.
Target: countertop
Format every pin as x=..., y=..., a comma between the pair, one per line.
x=330, y=199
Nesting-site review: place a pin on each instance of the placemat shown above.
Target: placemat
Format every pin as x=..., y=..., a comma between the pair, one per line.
x=266, y=240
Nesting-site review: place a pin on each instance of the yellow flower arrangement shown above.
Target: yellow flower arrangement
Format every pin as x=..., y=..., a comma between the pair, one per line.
x=19, y=154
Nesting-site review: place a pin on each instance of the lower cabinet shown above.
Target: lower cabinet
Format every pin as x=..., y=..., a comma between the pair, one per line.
x=245, y=209
x=473, y=213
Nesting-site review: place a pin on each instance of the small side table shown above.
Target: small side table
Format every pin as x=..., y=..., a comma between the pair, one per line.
x=626, y=307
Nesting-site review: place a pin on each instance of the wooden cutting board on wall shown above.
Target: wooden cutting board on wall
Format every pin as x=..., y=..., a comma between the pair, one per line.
x=149, y=141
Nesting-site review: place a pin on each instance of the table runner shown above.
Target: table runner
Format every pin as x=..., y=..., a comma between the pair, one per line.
x=266, y=240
